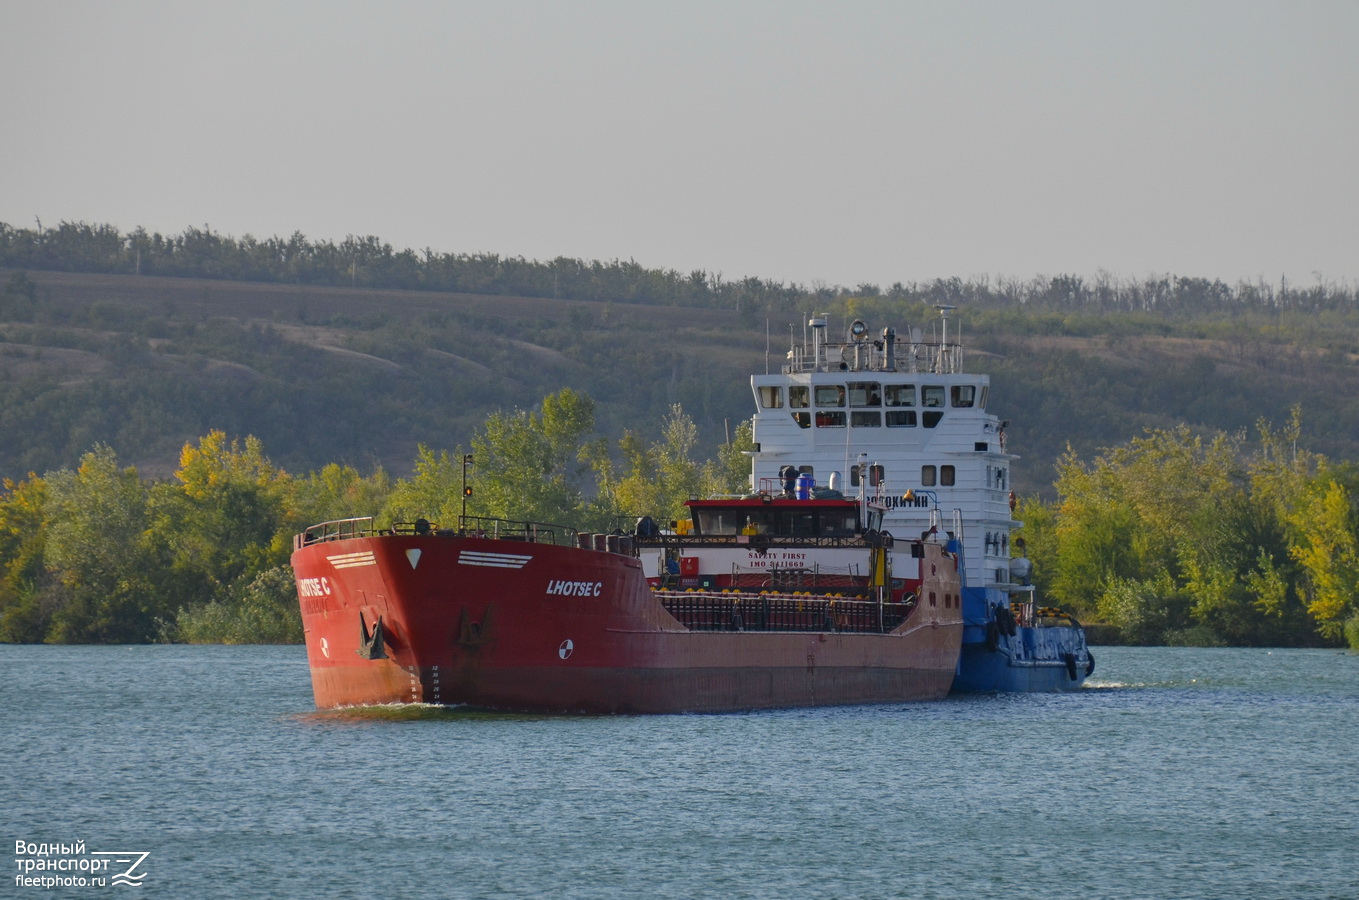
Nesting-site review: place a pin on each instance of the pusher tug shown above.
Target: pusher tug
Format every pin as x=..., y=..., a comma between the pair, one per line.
x=901, y=411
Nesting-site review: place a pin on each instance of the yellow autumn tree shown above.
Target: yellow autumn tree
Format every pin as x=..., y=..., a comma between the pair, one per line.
x=1328, y=550
x=230, y=516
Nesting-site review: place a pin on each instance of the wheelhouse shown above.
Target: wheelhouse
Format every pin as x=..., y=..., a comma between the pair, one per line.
x=777, y=518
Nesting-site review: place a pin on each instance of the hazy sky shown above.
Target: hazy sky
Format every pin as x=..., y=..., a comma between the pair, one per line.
x=841, y=142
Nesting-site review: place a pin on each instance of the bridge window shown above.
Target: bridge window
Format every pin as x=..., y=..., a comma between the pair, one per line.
x=864, y=393
x=964, y=395
x=932, y=395
x=931, y=417
x=865, y=418
x=721, y=521
x=828, y=419
x=947, y=475
x=780, y=522
x=901, y=418
x=830, y=395
x=803, y=420
x=838, y=524
x=797, y=396
x=899, y=395
x=771, y=396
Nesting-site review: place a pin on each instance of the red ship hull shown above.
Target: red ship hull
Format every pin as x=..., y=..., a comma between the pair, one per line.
x=518, y=625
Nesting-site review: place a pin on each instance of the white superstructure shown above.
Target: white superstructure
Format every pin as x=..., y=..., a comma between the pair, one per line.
x=899, y=413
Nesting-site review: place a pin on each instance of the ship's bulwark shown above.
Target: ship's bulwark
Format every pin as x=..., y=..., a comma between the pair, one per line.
x=536, y=627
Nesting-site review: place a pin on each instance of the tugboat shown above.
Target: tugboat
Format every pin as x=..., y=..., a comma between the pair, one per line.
x=899, y=414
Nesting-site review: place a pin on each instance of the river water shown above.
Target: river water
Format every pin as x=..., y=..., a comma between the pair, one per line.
x=1177, y=773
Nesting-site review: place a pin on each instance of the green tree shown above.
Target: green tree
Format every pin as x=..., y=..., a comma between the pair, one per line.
x=223, y=532
x=263, y=611
x=1094, y=535
x=527, y=465
x=434, y=492
x=1144, y=530
x=656, y=478
x=229, y=517
x=338, y=492
x=96, y=547
x=1185, y=540
x=731, y=475
x=25, y=584
x=530, y=465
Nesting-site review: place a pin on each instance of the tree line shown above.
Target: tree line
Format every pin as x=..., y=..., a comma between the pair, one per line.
x=99, y=554
x=1177, y=538
x=368, y=261
x=1172, y=538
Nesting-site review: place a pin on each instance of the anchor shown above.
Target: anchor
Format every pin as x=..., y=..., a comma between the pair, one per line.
x=473, y=634
x=372, y=645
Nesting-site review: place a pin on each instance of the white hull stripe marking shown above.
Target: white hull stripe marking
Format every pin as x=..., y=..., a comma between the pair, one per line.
x=494, y=560
x=352, y=560
x=414, y=556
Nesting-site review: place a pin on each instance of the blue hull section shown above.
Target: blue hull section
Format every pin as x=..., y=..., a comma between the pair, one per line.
x=980, y=671
x=1001, y=655
x=1034, y=659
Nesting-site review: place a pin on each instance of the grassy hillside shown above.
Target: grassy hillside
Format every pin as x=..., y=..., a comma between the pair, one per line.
x=362, y=376
x=1100, y=390
x=332, y=374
